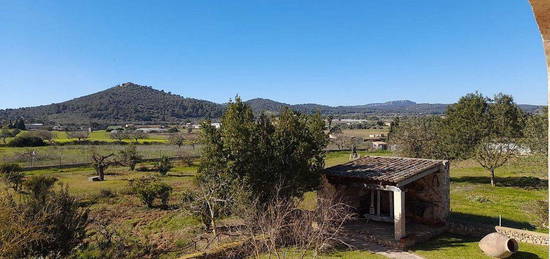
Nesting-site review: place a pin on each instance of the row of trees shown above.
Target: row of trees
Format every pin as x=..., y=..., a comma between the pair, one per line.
x=135, y=135
x=488, y=130
x=17, y=124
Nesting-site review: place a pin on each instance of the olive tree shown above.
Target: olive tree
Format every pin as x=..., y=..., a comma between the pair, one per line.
x=493, y=153
x=130, y=157
x=100, y=163
x=177, y=139
x=79, y=135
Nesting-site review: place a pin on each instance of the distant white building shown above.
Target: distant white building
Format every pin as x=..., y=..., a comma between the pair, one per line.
x=379, y=145
x=216, y=125
x=152, y=130
x=35, y=126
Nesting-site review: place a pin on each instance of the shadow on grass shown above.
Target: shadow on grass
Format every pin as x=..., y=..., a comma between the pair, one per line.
x=520, y=182
x=179, y=175
x=487, y=222
x=466, y=243
x=524, y=255
x=446, y=241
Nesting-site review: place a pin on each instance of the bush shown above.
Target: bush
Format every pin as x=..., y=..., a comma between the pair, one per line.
x=130, y=157
x=150, y=188
x=539, y=209
x=26, y=141
x=12, y=175
x=185, y=157
x=52, y=227
x=106, y=193
x=39, y=185
x=164, y=165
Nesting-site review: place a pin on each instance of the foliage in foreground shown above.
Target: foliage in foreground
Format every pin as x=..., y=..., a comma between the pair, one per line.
x=52, y=226
x=282, y=225
x=12, y=175
x=39, y=186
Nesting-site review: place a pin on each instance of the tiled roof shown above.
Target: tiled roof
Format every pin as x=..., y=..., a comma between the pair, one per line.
x=382, y=170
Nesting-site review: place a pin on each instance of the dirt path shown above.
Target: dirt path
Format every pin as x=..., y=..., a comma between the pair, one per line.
x=363, y=244
x=357, y=239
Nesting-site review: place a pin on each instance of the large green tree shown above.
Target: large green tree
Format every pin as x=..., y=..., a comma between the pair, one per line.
x=418, y=137
x=536, y=132
x=467, y=122
x=507, y=119
x=261, y=155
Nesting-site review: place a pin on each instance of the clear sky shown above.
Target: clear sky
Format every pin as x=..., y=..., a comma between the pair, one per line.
x=316, y=51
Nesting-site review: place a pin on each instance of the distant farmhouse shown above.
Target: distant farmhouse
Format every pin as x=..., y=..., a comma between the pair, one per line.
x=399, y=197
x=379, y=145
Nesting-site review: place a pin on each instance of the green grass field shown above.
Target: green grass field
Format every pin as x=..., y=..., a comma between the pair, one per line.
x=449, y=246
x=101, y=135
x=173, y=230
x=75, y=154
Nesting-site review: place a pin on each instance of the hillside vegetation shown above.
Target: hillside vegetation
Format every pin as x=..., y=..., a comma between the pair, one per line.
x=132, y=103
x=127, y=103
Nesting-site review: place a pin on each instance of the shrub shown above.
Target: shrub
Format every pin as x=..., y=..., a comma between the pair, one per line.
x=130, y=157
x=150, y=188
x=185, y=157
x=51, y=228
x=164, y=165
x=12, y=175
x=539, y=209
x=26, y=141
x=106, y=193
x=39, y=186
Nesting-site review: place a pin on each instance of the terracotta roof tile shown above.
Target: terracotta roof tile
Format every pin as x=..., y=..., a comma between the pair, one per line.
x=382, y=170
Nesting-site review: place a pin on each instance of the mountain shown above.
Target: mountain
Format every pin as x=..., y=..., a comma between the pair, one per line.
x=125, y=103
x=132, y=103
x=392, y=107
x=399, y=107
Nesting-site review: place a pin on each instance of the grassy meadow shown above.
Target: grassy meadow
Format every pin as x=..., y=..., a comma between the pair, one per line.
x=173, y=232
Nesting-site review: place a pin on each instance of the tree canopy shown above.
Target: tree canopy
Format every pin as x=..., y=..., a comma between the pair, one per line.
x=261, y=154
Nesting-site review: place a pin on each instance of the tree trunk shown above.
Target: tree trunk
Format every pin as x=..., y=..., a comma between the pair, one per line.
x=101, y=174
x=492, y=177
x=212, y=221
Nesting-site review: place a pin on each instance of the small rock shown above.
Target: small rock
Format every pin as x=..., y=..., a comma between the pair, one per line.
x=94, y=179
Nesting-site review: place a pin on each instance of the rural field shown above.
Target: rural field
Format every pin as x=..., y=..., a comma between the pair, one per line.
x=248, y=129
x=67, y=151
x=172, y=232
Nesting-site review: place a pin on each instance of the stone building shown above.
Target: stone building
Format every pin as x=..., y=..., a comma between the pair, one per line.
x=402, y=191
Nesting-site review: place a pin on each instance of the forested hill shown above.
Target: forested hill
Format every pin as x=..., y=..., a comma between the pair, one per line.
x=124, y=103
x=399, y=107
x=132, y=103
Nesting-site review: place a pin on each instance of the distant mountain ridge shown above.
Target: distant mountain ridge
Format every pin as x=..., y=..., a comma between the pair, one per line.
x=133, y=103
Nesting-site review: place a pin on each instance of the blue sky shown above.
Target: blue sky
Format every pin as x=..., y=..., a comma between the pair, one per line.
x=328, y=52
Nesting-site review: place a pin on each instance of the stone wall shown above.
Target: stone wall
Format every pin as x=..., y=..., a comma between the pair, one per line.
x=473, y=230
x=524, y=235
